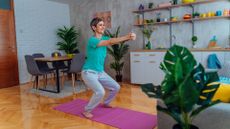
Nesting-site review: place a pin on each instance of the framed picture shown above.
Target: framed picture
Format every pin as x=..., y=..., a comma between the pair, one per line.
x=106, y=17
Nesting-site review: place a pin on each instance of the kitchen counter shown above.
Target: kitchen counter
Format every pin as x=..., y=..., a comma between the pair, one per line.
x=197, y=49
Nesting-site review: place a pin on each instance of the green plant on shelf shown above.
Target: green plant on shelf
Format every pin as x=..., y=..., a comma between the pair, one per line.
x=147, y=32
x=194, y=40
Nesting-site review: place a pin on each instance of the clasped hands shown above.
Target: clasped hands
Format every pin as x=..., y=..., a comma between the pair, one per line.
x=132, y=36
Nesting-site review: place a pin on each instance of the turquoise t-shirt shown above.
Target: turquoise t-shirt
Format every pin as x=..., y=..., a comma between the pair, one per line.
x=95, y=55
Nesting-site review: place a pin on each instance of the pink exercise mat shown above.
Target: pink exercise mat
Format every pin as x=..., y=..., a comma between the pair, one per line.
x=116, y=117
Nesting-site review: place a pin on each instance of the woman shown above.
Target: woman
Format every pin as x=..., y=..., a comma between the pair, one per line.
x=93, y=70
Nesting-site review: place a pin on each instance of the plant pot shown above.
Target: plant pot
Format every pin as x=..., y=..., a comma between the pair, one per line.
x=70, y=55
x=148, y=45
x=177, y=126
x=194, y=46
x=119, y=78
x=175, y=1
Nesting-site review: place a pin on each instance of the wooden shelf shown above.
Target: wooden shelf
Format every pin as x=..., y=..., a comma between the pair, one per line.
x=177, y=5
x=184, y=20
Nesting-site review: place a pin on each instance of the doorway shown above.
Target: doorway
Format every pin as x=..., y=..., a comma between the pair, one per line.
x=8, y=49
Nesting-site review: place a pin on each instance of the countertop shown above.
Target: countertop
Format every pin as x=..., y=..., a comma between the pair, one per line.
x=196, y=49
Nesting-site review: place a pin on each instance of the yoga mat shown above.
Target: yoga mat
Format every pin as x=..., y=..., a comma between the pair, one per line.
x=116, y=117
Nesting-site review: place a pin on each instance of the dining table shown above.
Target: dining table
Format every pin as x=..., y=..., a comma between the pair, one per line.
x=52, y=60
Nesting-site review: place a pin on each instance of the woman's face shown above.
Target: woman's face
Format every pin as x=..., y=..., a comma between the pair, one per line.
x=100, y=28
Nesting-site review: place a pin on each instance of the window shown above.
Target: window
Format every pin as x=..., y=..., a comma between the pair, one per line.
x=5, y=4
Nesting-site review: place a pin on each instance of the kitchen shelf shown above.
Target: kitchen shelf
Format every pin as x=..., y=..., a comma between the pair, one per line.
x=184, y=20
x=170, y=23
x=176, y=6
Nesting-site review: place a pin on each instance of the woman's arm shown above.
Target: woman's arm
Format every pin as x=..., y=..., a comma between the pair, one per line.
x=117, y=40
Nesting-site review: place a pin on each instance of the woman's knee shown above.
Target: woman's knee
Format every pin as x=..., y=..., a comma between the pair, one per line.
x=100, y=93
x=117, y=87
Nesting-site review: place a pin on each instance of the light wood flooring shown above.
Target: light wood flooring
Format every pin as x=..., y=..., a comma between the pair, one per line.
x=20, y=109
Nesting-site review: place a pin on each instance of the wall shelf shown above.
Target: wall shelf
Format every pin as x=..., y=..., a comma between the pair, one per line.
x=170, y=23
x=176, y=6
x=184, y=20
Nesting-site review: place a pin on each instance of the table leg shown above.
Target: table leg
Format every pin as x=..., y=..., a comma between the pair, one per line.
x=57, y=80
x=57, y=83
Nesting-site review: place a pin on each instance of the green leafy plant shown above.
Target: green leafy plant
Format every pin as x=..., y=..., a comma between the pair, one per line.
x=147, y=32
x=194, y=39
x=117, y=51
x=69, y=37
x=186, y=89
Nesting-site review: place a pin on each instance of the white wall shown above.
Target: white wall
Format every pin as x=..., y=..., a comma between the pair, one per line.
x=36, y=24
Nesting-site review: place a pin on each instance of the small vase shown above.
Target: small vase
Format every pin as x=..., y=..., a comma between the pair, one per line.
x=177, y=126
x=148, y=45
x=175, y=2
x=151, y=5
x=194, y=46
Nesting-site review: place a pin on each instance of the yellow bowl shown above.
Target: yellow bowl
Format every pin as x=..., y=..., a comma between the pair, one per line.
x=70, y=55
x=188, y=1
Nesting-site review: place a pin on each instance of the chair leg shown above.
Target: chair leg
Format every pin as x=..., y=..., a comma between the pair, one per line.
x=44, y=81
x=73, y=82
x=31, y=81
x=53, y=79
x=62, y=80
x=79, y=77
x=36, y=82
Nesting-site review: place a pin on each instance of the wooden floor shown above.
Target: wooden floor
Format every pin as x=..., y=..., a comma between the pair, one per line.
x=22, y=110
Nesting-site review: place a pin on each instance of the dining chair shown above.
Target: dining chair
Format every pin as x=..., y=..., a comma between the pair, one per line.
x=33, y=69
x=75, y=69
x=43, y=66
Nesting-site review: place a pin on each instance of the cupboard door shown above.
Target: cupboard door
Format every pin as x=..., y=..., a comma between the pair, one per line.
x=145, y=67
x=137, y=67
x=153, y=64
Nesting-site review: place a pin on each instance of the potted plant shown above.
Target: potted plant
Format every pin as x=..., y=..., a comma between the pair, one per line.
x=68, y=40
x=147, y=32
x=194, y=39
x=186, y=89
x=117, y=51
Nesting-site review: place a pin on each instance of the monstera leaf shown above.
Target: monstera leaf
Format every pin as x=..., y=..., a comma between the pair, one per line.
x=186, y=89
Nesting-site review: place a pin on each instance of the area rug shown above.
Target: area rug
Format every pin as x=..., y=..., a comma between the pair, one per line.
x=116, y=117
x=66, y=91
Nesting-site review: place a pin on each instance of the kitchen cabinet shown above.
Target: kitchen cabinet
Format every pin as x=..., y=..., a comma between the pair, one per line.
x=145, y=65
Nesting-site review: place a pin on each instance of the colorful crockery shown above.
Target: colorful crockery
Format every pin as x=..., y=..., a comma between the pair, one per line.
x=218, y=13
x=203, y=15
x=225, y=12
x=209, y=14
